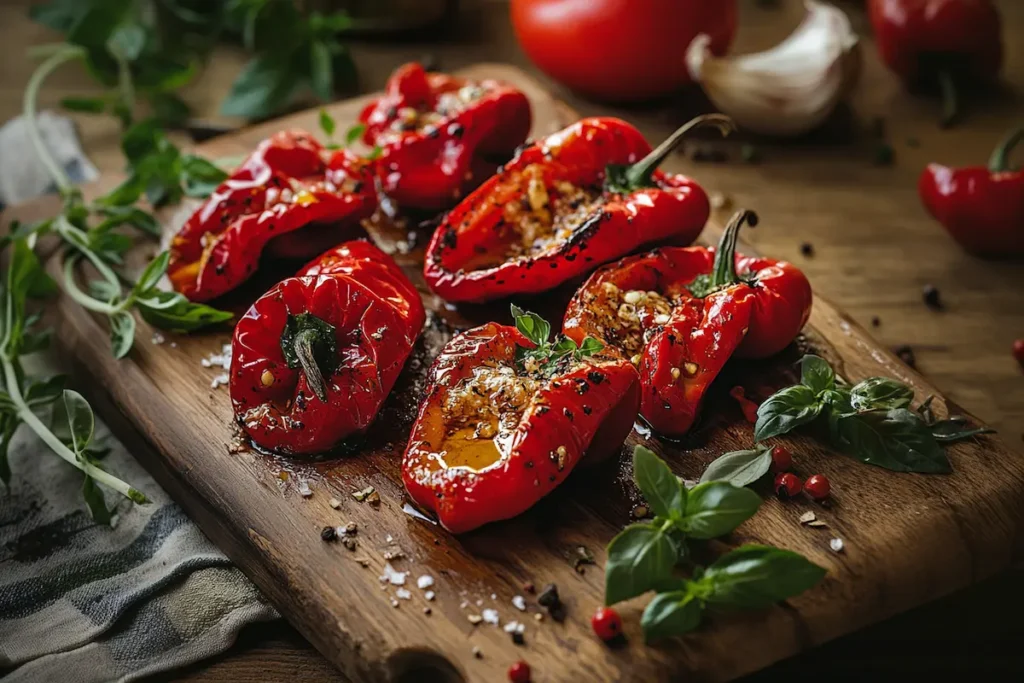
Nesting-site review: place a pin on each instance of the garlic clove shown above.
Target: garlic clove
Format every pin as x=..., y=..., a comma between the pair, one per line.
x=790, y=88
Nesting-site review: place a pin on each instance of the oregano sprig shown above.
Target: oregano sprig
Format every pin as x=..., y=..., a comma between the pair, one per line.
x=547, y=356
x=647, y=555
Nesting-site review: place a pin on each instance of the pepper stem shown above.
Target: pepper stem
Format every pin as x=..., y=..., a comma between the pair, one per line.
x=304, y=351
x=950, y=99
x=724, y=270
x=1000, y=159
x=639, y=174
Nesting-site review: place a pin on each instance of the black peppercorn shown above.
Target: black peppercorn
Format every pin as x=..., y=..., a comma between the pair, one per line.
x=807, y=249
x=328, y=533
x=930, y=293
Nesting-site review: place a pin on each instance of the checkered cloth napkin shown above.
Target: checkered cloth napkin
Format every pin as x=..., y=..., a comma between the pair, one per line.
x=84, y=602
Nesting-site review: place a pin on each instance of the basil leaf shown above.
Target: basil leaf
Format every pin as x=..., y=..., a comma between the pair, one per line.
x=880, y=392
x=660, y=488
x=200, y=177
x=169, y=109
x=327, y=124
x=93, y=496
x=128, y=192
x=375, y=153
x=590, y=347
x=321, y=70
x=639, y=558
x=181, y=316
x=47, y=391
x=127, y=41
x=87, y=105
x=897, y=440
x=816, y=374
x=532, y=326
x=756, y=576
x=785, y=410
x=153, y=272
x=740, y=468
x=354, y=133
x=264, y=86
x=80, y=421
x=670, y=614
x=122, y=333
x=564, y=347
x=128, y=215
x=715, y=508
x=956, y=429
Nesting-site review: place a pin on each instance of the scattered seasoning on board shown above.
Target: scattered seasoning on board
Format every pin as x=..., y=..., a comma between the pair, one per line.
x=875, y=321
x=836, y=544
x=640, y=512
x=807, y=249
x=930, y=294
x=477, y=652
x=349, y=543
x=360, y=496
x=474, y=619
x=906, y=354
x=529, y=587
x=427, y=611
x=549, y=599
x=519, y=602
x=582, y=557
x=328, y=533
x=335, y=503
x=373, y=499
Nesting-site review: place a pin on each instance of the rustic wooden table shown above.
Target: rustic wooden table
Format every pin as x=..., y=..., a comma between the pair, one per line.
x=874, y=250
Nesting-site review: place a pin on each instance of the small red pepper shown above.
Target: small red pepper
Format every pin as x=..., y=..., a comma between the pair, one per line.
x=314, y=357
x=681, y=313
x=943, y=42
x=440, y=135
x=584, y=196
x=289, y=182
x=982, y=208
x=607, y=623
x=499, y=429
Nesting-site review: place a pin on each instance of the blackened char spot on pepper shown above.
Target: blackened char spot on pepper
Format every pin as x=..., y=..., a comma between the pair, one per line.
x=456, y=130
x=449, y=238
x=581, y=386
x=595, y=376
x=568, y=414
x=543, y=409
x=587, y=410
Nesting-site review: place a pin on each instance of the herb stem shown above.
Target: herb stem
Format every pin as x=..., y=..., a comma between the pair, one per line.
x=56, y=445
x=77, y=238
x=72, y=289
x=69, y=53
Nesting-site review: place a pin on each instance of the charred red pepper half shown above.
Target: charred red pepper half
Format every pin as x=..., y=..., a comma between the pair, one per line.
x=982, y=208
x=440, y=135
x=948, y=43
x=506, y=417
x=584, y=196
x=314, y=357
x=289, y=182
x=680, y=313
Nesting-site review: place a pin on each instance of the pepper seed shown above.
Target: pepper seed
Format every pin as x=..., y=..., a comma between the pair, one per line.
x=267, y=378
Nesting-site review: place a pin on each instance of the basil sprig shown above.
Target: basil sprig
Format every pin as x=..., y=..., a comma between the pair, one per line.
x=549, y=357
x=869, y=421
x=645, y=556
x=740, y=468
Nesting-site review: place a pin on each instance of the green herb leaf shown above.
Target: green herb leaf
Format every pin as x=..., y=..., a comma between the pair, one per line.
x=715, y=508
x=94, y=498
x=740, y=468
x=172, y=311
x=80, y=421
x=200, y=177
x=321, y=70
x=639, y=558
x=169, y=109
x=8, y=425
x=956, y=429
x=880, y=392
x=660, y=488
x=670, y=614
x=264, y=86
x=354, y=133
x=150, y=277
x=127, y=41
x=375, y=153
x=122, y=333
x=756, y=576
x=786, y=410
x=128, y=215
x=532, y=326
x=128, y=192
x=327, y=124
x=896, y=440
x=87, y=105
x=816, y=374
x=42, y=393
x=590, y=347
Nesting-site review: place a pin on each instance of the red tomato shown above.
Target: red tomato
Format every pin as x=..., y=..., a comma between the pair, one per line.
x=620, y=49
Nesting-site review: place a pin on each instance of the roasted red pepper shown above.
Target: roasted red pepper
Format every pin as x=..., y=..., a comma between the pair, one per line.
x=943, y=42
x=440, y=135
x=982, y=208
x=680, y=313
x=505, y=420
x=314, y=357
x=289, y=182
x=560, y=208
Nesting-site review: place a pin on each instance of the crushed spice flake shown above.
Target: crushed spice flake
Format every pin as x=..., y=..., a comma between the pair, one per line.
x=360, y=496
x=334, y=503
x=474, y=619
x=373, y=499
x=349, y=542
x=304, y=489
x=582, y=556
x=807, y=517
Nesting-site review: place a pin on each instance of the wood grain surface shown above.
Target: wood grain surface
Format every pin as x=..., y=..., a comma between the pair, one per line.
x=822, y=189
x=945, y=533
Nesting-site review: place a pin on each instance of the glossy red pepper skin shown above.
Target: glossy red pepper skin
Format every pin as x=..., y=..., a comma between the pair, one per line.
x=588, y=409
x=289, y=183
x=675, y=210
x=964, y=32
x=432, y=166
x=377, y=316
x=982, y=208
x=755, y=312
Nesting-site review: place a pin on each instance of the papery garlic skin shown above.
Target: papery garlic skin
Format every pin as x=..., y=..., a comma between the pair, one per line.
x=790, y=88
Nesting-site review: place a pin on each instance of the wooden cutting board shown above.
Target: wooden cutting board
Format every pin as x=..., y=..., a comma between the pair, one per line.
x=907, y=538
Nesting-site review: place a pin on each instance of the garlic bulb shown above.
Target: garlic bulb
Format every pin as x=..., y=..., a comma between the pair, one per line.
x=791, y=88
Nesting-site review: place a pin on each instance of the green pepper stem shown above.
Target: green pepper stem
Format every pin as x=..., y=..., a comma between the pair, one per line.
x=1000, y=159
x=724, y=271
x=639, y=174
x=950, y=99
x=304, y=342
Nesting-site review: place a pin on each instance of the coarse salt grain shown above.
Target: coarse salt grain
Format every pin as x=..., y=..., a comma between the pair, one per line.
x=514, y=627
x=219, y=380
x=395, y=578
x=425, y=581
x=490, y=616
x=403, y=594
x=836, y=544
x=519, y=602
x=218, y=360
x=304, y=489
x=158, y=338
x=429, y=595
